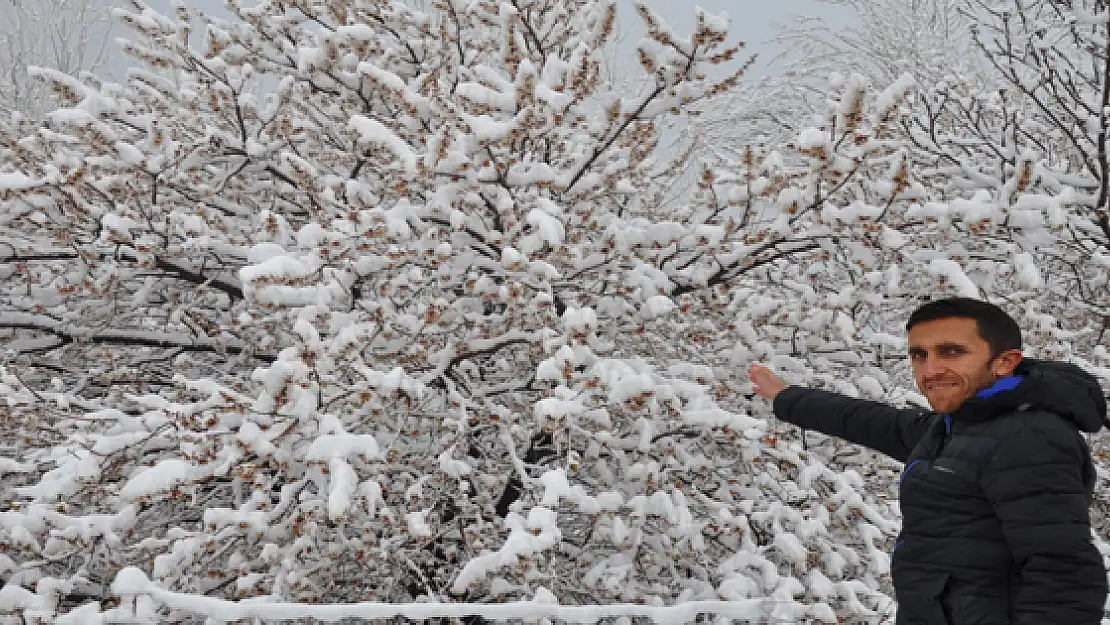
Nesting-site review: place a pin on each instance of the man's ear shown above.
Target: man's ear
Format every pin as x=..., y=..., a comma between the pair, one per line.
x=1006, y=362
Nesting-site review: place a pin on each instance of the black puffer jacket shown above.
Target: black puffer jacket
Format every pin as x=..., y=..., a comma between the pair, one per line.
x=995, y=497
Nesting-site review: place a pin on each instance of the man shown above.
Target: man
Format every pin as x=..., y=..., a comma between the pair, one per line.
x=998, y=481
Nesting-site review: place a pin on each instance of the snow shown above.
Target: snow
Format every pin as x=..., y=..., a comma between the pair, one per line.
x=63, y=479
x=257, y=440
x=120, y=225
x=556, y=99
x=14, y=598
x=548, y=227
x=16, y=181
x=656, y=306
x=385, y=78
x=521, y=542
x=160, y=478
x=893, y=94
x=371, y=493
x=489, y=128
x=480, y=94
x=1083, y=16
x=373, y=131
x=72, y=116
x=556, y=487
x=342, y=484
x=130, y=154
x=555, y=367
x=131, y=582
x=7, y=465
x=452, y=467
x=893, y=239
x=418, y=523
x=552, y=410
x=334, y=446
x=855, y=90
x=951, y=272
x=88, y=614
x=584, y=319
x=714, y=23
x=1027, y=271
x=811, y=138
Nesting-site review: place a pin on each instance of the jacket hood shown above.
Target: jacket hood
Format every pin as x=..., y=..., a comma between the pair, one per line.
x=1057, y=387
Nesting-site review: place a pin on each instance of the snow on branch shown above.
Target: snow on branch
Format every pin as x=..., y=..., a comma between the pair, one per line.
x=67, y=333
x=373, y=131
x=132, y=583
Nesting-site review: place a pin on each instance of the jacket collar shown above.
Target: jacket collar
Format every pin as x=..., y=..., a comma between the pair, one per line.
x=989, y=402
x=1007, y=383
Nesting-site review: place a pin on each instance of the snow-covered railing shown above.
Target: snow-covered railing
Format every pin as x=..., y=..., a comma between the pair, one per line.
x=140, y=598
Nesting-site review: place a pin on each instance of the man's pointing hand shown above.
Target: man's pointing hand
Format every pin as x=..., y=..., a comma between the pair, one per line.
x=764, y=382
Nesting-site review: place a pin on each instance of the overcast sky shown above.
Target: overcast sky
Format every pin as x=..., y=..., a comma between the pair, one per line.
x=752, y=20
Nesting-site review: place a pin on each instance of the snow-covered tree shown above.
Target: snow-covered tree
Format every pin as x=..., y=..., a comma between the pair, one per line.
x=67, y=35
x=309, y=305
x=882, y=40
x=1007, y=122
x=1036, y=144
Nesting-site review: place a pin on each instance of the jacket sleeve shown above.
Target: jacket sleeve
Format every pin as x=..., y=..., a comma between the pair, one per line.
x=881, y=427
x=1034, y=481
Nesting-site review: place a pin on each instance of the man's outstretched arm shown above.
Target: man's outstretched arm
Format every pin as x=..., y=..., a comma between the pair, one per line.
x=872, y=424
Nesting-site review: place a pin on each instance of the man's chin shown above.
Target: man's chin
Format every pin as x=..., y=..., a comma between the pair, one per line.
x=944, y=404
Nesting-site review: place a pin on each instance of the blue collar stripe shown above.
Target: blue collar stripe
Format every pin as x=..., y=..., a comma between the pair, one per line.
x=1008, y=383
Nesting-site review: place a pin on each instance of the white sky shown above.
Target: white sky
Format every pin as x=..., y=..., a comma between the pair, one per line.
x=752, y=20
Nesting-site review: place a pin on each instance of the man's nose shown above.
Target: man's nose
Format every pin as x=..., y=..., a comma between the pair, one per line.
x=932, y=367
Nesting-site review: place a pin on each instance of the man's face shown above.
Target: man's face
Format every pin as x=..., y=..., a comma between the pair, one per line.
x=951, y=362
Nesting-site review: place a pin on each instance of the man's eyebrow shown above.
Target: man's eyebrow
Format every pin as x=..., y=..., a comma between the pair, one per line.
x=945, y=345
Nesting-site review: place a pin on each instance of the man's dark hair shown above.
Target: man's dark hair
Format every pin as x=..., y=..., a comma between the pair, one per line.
x=995, y=326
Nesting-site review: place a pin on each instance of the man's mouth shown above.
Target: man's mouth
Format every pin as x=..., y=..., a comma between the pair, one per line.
x=941, y=386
